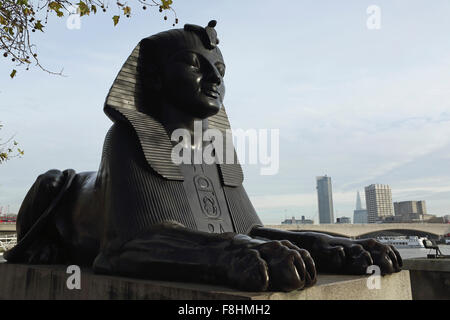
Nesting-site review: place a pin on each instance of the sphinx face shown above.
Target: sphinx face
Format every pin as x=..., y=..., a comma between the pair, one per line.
x=193, y=82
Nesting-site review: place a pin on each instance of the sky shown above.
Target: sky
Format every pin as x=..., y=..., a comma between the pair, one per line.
x=360, y=105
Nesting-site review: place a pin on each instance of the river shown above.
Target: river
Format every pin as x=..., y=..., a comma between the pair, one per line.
x=422, y=252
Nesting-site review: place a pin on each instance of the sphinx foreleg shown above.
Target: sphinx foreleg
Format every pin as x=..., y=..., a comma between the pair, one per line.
x=169, y=251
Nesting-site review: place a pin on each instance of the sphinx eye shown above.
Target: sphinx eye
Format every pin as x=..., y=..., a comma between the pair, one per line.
x=221, y=68
x=192, y=60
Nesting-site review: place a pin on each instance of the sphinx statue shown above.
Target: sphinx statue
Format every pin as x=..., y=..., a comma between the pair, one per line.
x=142, y=215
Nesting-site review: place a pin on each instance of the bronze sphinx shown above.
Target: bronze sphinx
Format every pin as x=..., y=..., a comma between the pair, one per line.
x=141, y=215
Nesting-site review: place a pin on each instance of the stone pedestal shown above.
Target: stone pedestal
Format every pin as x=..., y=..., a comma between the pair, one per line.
x=430, y=278
x=49, y=282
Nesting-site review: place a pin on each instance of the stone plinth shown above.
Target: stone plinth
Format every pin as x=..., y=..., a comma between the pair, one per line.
x=430, y=278
x=49, y=282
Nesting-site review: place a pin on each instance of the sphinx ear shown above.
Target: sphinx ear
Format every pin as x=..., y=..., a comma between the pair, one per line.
x=151, y=79
x=150, y=73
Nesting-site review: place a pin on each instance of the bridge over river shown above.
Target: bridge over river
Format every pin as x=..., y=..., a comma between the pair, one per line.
x=6, y=228
x=430, y=230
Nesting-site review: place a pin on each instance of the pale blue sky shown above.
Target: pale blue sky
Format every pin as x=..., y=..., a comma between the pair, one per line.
x=363, y=106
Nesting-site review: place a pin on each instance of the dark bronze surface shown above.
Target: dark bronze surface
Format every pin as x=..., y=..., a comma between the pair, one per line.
x=141, y=215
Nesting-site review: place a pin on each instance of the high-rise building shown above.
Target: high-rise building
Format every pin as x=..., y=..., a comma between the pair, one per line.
x=325, y=199
x=359, y=214
x=378, y=202
x=358, y=201
x=408, y=211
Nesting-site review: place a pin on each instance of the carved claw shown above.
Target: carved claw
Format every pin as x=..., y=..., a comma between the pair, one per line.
x=355, y=256
x=248, y=271
x=385, y=256
x=271, y=265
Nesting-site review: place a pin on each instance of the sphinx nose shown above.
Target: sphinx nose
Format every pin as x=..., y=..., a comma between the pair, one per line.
x=214, y=76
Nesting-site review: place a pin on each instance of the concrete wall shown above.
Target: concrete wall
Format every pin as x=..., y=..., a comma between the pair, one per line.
x=430, y=278
x=49, y=282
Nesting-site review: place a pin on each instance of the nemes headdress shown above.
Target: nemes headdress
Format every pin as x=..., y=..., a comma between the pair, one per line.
x=125, y=100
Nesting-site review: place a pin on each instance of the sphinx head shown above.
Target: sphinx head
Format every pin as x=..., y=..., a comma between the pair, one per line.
x=182, y=68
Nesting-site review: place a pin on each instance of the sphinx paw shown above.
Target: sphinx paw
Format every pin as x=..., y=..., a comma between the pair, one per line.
x=272, y=265
x=384, y=256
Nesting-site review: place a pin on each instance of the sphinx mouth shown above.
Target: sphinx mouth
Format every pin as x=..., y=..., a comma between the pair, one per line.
x=211, y=91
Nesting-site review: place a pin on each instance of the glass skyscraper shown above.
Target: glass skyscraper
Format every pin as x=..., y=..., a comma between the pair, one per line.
x=325, y=199
x=359, y=214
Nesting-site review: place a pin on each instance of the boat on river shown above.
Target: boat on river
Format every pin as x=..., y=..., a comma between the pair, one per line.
x=404, y=241
x=7, y=242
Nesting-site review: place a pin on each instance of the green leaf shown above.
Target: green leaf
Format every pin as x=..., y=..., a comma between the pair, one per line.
x=56, y=6
x=13, y=73
x=94, y=8
x=22, y=2
x=116, y=20
x=84, y=9
x=165, y=4
x=126, y=10
x=38, y=25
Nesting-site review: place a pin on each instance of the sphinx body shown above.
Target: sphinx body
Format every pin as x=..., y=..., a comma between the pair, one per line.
x=142, y=215
x=114, y=220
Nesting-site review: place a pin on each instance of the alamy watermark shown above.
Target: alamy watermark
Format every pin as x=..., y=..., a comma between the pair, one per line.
x=374, y=281
x=74, y=280
x=374, y=20
x=73, y=21
x=254, y=146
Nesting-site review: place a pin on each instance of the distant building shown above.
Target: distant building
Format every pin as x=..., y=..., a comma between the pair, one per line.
x=410, y=211
x=325, y=199
x=358, y=201
x=432, y=218
x=428, y=216
x=379, y=203
x=296, y=221
x=359, y=214
x=343, y=220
